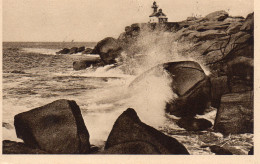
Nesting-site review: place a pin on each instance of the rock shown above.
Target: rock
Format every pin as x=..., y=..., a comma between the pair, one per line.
x=18, y=72
x=83, y=64
x=63, y=51
x=217, y=16
x=193, y=124
x=7, y=125
x=240, y=73
x=235, y=115
x=234, y=28
x=130, y=135
x=251, y=151
x=191, y=85
x=248, y=25
x=57, y=128
x=11, y=147
x=219, y=86
x=108, y=49
x=87, y=51
x=81, y=49
x=73, y=50
x=219, y=150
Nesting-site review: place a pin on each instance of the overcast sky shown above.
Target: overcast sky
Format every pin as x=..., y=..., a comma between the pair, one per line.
x=92, y=20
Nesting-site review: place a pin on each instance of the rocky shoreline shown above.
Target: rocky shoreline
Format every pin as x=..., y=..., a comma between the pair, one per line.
x=225, y=44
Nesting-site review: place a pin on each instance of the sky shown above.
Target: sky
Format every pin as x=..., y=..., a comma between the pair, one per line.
x=93, y=20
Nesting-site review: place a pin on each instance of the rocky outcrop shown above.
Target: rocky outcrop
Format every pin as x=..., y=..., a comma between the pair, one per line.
x=11, y=147
x=235, y=114
x=108, y=49
x=130, y=135
x=63, y=51
x=57, y=128
x=83, y=64
x=72, y=50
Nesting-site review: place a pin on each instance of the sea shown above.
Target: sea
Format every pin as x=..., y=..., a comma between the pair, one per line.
x=33, y=76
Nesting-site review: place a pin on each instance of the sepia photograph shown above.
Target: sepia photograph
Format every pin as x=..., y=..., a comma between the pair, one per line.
x=132, y=77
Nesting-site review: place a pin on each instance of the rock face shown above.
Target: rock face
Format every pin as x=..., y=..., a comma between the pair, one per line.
x=57, y=128
x=11, y=147
x=192, y=87
x=131, y=136
x=108, y=49
x=235, y=114
x=83, y=64
x=193, y=124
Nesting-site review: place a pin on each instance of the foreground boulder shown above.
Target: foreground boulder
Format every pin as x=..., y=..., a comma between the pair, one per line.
x=235, y=114
x=191, y=85
x=108, y=49
x=57, y=128
x=83, y=64
x=131, y=136
x=11, y=147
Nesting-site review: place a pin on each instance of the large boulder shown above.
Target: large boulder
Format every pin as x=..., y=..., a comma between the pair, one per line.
x=130, y=135
x=217, y=16
x=191, y=85
x=57, y=128
x=108, y=49
x=11, y=147
x=235, y=114
x=83, y=64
